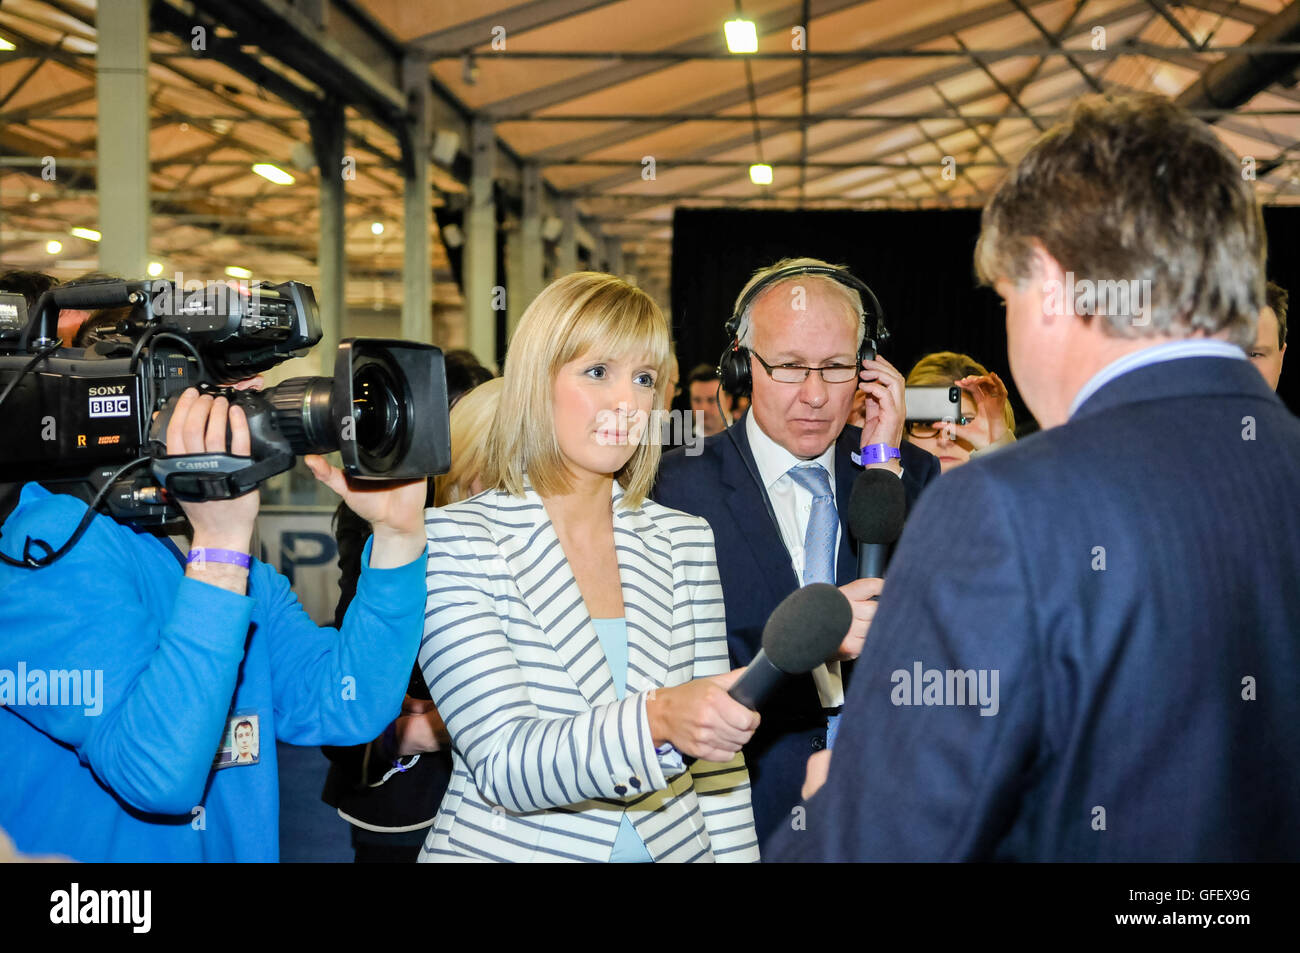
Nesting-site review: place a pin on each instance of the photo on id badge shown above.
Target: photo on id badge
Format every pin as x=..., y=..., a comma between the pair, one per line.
x=241, y=742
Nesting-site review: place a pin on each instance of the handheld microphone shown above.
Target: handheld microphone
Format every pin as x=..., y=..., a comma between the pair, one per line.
x=877, y=507
x=802, y=633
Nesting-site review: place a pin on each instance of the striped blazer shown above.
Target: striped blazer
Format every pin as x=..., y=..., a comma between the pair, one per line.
x=546, y=758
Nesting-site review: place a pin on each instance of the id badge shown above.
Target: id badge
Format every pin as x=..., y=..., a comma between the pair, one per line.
x=240, y=743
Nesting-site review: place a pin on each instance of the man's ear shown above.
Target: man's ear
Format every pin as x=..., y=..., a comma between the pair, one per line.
x=1048, y=280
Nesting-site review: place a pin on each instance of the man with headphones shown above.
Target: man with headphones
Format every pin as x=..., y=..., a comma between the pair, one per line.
x=775, y=486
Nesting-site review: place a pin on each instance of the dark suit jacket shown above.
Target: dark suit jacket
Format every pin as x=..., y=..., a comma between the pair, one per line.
x=1131, y=576
x=756, y=575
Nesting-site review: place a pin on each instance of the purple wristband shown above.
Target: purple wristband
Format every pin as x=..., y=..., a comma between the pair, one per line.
x=875, y=453
x=201, y=555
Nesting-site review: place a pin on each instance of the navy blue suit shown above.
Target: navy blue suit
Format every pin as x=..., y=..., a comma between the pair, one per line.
x=756, y=575
x=1131, y=576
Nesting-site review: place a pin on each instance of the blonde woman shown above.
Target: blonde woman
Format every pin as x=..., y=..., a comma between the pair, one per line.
x=987, y=419
x=574, y=638
x=471, y=419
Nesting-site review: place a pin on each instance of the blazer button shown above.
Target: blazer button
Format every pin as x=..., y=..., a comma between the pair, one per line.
x=818, y=744
x=620, y=789
x=635, y=782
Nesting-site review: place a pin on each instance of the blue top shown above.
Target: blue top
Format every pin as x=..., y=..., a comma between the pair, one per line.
x=628, y=846
x=126, y=775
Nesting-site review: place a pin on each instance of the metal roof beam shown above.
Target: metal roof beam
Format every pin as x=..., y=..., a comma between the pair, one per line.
x=883, y=95
x=1181, y=30
x=578, y=86
x=786, y=80
x=518, y=19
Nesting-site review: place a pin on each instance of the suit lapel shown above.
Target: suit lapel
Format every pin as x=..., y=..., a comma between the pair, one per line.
x=536, y=560
x=645, y=569
x=748, y=504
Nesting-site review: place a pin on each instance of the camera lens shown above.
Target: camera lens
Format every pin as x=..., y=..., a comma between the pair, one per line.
x=301, y=406
x=379, y=412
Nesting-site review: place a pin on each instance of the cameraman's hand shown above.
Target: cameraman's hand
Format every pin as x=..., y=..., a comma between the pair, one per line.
x=700, y=719
x=394, y=509
x=198, y=425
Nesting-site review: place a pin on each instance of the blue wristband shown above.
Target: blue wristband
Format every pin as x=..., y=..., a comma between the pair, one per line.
x=202, y=554
x=875, y=453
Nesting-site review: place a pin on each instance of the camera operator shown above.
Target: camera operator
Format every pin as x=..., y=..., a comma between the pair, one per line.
x=167, y=657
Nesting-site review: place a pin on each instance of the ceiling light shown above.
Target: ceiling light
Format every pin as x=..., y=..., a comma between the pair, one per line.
x=446, y=143
x=376, y=228
x=89, y=234
x=155, y=269
x=53, y=247
x=760, y=173
x=234, y=271
x=742, y=36
x=273, y=173
x=5, y=45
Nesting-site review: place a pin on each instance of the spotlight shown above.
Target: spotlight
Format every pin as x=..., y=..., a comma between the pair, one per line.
x=273, y=173
x=760, y=173
x=742, y=36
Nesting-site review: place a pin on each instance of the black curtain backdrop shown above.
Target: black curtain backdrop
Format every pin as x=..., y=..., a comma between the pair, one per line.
x=919, y=264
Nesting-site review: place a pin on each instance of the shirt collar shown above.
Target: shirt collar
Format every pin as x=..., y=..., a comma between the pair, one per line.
x=1171, y=351
x=773, y=460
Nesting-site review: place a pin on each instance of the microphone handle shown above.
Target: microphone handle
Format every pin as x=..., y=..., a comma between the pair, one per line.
x=758, y=682
x=872, y=558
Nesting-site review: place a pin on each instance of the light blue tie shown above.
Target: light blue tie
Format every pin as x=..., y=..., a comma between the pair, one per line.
x=819, y=543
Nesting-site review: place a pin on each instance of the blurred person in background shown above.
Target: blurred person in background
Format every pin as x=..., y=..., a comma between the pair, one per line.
x=987, y=421
x=1270, y=337
x=706, y=395
x=389, y=789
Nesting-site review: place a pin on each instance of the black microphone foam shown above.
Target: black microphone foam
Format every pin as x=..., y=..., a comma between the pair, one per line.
x=807, y=627
x=877, y=507
x=802, y=633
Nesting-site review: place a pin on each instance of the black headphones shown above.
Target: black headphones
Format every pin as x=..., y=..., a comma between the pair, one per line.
x=733, y=365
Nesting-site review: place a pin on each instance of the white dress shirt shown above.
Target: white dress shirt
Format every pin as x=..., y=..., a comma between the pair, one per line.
x=793, y=507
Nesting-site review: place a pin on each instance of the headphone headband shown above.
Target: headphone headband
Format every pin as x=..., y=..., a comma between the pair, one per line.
x=780, y=274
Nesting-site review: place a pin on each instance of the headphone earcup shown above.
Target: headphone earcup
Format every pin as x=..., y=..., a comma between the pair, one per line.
x=733, y=370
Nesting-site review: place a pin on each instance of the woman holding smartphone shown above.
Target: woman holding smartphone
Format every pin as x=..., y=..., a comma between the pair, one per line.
x=575, y=642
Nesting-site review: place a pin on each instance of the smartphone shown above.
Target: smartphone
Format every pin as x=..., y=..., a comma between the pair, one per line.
x=933, y=403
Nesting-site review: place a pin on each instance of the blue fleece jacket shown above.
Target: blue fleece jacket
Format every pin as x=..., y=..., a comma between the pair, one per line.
x=177, y=657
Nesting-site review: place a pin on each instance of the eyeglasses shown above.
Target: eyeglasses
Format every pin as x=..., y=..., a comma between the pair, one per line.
x=798, y=373
x=925, y=429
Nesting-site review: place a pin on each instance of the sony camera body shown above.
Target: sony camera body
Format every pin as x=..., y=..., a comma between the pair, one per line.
x=93, y=419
